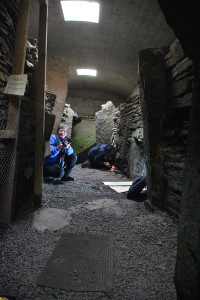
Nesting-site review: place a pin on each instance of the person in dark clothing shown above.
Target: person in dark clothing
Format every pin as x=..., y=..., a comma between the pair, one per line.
x=62, y=159
x=101, y=156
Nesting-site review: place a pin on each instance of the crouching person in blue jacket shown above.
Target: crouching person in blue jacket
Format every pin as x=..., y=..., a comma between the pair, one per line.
x=101, y=156
x=62, y=159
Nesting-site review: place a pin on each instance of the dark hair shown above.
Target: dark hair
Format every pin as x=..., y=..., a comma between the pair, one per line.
x=110, y=148
x=111, y=151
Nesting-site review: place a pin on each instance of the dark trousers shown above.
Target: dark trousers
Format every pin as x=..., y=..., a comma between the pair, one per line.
x=57, y=171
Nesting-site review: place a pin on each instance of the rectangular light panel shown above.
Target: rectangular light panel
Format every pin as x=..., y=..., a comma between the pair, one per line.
x=80, y=11
x=88, y=72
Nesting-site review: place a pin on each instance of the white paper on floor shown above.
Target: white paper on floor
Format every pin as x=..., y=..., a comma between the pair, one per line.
x=118, y=183
x=119, y=187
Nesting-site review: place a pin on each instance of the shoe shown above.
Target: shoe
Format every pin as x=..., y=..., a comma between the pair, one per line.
x=49, y=179
x=68, y=178
x=53, y=180
x=57, y=181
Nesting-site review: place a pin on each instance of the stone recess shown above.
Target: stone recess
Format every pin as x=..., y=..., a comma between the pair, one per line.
x=80, y=129
x=128, y=137
x=104, y=123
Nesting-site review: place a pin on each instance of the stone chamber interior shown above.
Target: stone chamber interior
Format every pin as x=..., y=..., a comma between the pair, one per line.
x=155, y=129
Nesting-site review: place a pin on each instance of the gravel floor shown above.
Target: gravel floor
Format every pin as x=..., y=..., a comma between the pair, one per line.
x=144, y=242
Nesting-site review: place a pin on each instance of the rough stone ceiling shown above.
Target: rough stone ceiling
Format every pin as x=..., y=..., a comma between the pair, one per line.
x=111, y=46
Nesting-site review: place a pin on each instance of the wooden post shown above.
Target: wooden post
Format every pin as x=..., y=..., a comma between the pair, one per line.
x=7, y=195
x=40, y=102
x=19, y=60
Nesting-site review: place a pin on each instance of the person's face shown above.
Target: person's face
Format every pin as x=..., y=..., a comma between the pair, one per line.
x=62, y=132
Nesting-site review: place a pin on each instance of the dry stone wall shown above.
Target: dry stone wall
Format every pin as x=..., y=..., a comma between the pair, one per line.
x=50, y=99
x=8, y=19
x=179, y=79
x=128, y=137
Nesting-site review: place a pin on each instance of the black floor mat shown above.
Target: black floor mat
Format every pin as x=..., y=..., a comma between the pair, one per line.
x=80, y=262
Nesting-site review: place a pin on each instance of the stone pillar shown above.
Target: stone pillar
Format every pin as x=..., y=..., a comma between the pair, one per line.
x=152, y=92
x=104, y=123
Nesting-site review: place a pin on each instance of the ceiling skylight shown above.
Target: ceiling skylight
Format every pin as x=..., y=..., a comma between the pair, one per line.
x=80, y=11
x=88, y=72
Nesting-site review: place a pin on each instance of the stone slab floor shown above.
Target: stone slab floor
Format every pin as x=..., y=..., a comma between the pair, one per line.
x=144, y=241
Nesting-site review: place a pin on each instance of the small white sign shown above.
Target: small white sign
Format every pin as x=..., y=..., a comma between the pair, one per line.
x=16, y=85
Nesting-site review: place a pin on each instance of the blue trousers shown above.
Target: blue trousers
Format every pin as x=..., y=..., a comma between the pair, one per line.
x=54, y=170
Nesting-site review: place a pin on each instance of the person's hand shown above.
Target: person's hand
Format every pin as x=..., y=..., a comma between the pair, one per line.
x=106, y=164
x=67, y=145
x=60, y=146
x=112, y=168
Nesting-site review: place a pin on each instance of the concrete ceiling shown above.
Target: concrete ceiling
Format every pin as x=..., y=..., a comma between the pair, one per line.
x=111, y=46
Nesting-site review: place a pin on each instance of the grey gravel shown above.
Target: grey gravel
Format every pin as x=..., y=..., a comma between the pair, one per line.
x=144, y=242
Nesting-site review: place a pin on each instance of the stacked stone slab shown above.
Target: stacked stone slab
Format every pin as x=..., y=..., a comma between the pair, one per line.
x=8, y=19
x=67, y=118
x=50, y=99
x=128, y=137
x=179, y=71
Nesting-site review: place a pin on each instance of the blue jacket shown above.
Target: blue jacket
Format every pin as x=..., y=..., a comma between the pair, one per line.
x=53, y=158
x=100, y=153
